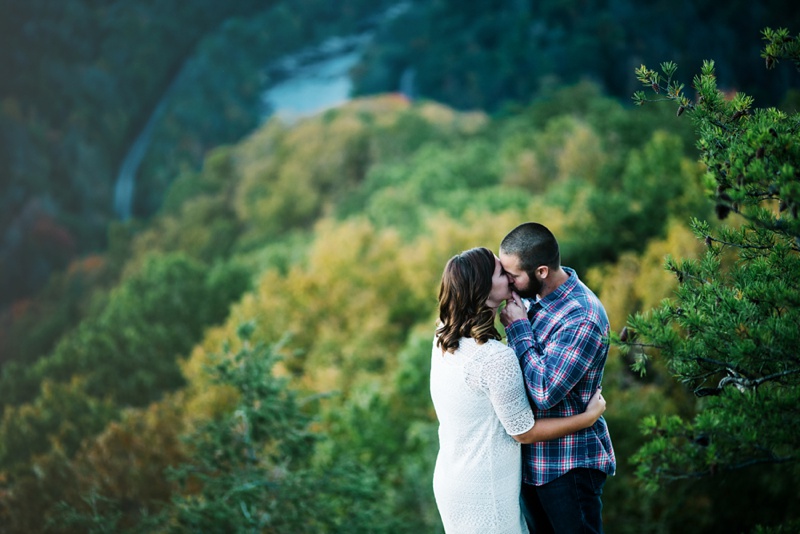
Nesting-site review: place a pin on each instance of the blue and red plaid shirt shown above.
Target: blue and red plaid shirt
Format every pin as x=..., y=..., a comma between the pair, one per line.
x=562, y=352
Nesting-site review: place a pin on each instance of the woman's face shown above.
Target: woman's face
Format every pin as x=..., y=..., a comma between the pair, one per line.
x=500, y=289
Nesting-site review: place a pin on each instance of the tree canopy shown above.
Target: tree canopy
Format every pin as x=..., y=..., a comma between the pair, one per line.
x=731, y=331
x=264, y=340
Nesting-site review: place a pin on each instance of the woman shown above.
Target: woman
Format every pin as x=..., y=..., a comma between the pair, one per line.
x=480, y=401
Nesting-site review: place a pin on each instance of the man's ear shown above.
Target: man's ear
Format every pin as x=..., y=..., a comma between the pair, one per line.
x=543, y=271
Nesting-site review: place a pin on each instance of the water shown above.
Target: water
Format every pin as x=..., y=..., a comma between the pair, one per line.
x=319, y=78
x=314, y=79
x=126, y=176
x=123, y=188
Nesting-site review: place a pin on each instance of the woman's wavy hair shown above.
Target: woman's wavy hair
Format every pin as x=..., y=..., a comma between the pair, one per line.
x=466, y=284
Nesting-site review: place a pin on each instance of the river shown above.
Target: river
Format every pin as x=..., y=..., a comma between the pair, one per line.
x=312, y=80
x=319, y=78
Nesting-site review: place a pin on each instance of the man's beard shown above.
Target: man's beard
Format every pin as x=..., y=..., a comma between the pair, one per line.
x=533, y=289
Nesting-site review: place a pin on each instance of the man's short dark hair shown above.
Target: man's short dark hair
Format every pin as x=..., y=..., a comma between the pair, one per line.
x=534, y=245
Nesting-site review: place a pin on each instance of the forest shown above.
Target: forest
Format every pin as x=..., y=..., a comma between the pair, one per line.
x=251, y=350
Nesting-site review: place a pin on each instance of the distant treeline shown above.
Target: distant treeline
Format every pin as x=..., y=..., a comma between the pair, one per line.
x=475, y=54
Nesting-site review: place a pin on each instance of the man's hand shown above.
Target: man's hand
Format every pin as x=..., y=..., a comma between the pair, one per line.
x=513, y=310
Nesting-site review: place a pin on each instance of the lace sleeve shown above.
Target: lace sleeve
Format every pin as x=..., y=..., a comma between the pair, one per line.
x=502, y=379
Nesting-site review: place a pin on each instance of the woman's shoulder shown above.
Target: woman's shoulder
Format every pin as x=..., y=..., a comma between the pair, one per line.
x=493, y=361
x=495, y=349
x=496, y=344
x=492, y=349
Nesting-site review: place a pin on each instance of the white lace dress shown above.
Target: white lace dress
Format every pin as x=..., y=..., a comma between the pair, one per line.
x=480, y=400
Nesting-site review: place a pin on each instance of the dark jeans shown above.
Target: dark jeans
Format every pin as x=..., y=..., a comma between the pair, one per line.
x=569, y=504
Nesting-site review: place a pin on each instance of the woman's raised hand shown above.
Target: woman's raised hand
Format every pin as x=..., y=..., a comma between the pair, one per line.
x=513, y=310
x=597, y=404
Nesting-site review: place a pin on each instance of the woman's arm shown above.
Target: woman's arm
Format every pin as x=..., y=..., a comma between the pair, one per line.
x=557, y=427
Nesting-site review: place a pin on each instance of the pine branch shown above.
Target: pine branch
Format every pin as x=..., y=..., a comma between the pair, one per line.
x=740, y=380
x=777, y=227
x=738, y=245
x=724, y=365
x=648, y=345
x=774, y=376
x=712, y=470
x=701, y=376
x=683, y=275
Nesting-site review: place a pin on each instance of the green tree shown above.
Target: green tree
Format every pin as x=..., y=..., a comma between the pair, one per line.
x=60, y=417
x=731, y=332
x=393, y=429
x=251, y=468
x=129, y=351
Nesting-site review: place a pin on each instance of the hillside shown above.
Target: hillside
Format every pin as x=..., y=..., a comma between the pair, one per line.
x=251, y=351
x=322, y=242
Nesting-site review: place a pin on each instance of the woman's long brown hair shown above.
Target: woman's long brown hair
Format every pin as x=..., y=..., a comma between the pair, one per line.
x=466, y=284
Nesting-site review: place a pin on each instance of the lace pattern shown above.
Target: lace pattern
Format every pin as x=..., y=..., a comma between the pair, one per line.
x=480, y=401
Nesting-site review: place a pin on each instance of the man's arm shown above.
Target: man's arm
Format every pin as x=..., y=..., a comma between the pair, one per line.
x=558, y=427
x=552, y=371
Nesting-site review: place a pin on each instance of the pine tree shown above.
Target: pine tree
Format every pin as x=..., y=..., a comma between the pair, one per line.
x=732, y=331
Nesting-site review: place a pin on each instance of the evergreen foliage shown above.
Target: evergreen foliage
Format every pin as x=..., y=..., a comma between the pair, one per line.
x=731, y=331
x=251, y=469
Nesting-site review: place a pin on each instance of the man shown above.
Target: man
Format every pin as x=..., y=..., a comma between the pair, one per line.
x=562, y=343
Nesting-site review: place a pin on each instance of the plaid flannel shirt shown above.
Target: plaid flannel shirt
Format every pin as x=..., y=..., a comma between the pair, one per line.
x=562, y=352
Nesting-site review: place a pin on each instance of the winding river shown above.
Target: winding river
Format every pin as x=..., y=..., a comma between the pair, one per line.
x=317, y=79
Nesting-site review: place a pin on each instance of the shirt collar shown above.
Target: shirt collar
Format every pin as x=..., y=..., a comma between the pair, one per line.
x=561, y=291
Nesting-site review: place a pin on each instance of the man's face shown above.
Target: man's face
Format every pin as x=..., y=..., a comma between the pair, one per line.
x=522, y=283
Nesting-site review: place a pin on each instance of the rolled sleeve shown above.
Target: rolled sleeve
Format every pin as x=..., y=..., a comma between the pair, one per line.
x=519, y=336
x=552, y=371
